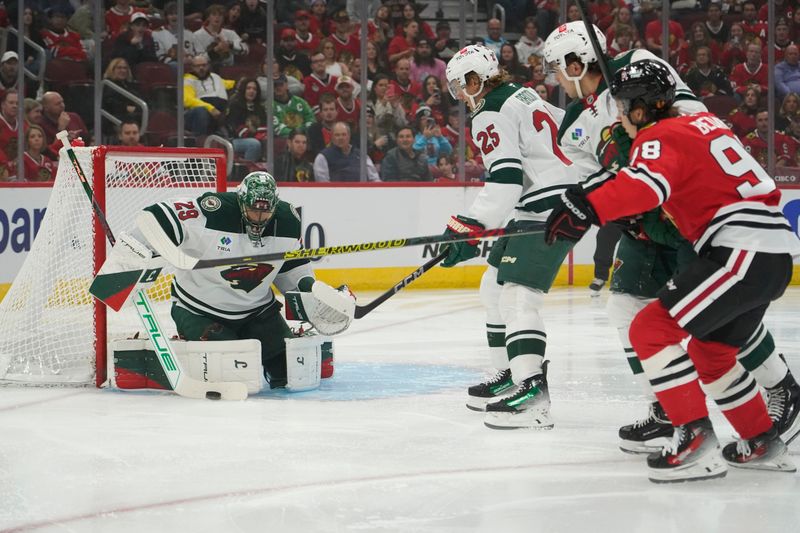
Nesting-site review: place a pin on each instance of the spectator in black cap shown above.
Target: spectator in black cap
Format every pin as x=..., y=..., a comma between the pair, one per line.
x=292, y=63
x=424, y=63
x=444, y=47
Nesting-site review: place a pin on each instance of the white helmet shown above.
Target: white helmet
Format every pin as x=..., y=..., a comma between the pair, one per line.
x=473, y=58
x=572, y=38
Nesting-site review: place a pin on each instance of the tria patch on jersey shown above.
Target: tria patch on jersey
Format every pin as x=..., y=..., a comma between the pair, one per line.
x=211, y=203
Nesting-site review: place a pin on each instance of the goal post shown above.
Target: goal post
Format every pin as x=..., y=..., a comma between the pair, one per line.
x=51, y=330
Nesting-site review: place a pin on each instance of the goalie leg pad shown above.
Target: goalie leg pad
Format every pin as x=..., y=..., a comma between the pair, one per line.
x=303, y=362
x=136, y=367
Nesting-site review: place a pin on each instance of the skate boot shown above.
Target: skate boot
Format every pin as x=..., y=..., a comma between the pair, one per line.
x=783, y=405
x=528, y=407
x=488, y=391
x=692, y=455
x=763, y=452
x=596, y=286
x=647, y=435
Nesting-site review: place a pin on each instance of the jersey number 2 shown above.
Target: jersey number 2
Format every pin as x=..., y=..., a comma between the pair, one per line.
x=540, y=119
x=736, y=162
x=186, y=210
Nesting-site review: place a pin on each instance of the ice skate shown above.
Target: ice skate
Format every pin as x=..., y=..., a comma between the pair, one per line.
x=528, y=407
x=763, y=452
x=783, y=405
x=647, y=435
x=490, y=390
x=596, y=286
x=693, y=454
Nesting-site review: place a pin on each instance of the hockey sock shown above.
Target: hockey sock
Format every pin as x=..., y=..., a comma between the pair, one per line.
x=635, y=365
x=525, y=336
x=495, y=327
x=731, y=386
x=759, y=357
x=656, y=338
x=496, y=337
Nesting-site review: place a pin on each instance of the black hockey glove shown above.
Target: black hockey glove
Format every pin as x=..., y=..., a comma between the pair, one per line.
x=572, y=218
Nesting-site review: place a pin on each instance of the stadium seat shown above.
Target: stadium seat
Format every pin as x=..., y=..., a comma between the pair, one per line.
x=162, y=125
x=158, y=84
x=720, y=104
x=254, y=57
x=61, y=73
x=237, y=72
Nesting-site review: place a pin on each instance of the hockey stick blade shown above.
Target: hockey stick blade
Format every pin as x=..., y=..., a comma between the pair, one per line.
x=363, y=310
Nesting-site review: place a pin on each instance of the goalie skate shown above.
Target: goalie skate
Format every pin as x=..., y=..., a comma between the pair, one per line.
x=693, y=454
x=783, y=405
x=647, y=435
x=528, y=407
x=490, y=390
x=763, y=452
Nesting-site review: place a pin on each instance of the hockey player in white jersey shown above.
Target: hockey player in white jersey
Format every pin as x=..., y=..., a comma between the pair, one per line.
x=238, y=302
x=516, y=132
x=646, y=258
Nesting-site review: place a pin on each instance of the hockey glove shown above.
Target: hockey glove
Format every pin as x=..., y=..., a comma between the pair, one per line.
x=464, y=250
x=572, y=218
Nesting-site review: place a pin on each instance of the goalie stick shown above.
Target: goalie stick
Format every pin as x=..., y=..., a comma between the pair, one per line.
x=182, y=383
x=186, y=262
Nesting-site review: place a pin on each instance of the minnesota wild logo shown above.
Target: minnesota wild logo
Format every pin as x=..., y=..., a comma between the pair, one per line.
x=247, y=277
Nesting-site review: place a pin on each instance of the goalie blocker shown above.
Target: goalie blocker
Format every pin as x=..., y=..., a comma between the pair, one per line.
x=133, y=363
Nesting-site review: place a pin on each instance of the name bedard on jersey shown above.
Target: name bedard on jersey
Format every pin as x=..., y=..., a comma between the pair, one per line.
x=210, y=227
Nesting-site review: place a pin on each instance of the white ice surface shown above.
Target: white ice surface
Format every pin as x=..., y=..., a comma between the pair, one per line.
x=386, y=445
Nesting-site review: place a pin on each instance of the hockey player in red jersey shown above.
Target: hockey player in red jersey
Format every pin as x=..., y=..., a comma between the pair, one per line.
x=722, y=201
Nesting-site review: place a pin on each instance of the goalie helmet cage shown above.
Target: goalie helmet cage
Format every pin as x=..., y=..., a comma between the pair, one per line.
x=52, y=331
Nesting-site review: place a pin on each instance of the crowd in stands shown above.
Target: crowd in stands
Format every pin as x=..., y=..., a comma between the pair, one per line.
x=413, y=127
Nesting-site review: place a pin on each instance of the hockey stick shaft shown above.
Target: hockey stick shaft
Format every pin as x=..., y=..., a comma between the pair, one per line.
x=601, y=58
x=181, y=383
x=394, y=244
x=363, y=310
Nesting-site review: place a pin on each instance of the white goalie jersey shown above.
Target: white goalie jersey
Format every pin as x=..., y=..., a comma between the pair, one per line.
x=516, y=132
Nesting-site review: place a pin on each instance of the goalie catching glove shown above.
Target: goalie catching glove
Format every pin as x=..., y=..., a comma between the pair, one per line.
x=329, y=310
x=464, y=250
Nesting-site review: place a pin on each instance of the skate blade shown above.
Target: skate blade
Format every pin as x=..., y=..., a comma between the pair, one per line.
x=708, y=468
x=478, y=404
x=782, y=463
x=523, y=420
x=644, y=447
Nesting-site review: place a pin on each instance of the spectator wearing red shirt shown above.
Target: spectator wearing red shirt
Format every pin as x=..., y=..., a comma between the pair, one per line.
x=343, y=38
x=318, y=23
x=319, y=82
x=59, y=41
x=752, y=72
x=9, y=132
x=783, y=8
x=622, y=42
x=38, y=166
x=698, y=37
x=756, y=143
x=348, y=109
x=402, y=82
x=118, y=17
x=403, y=46
x=307, y=42
x=783, y=39
x=743, y=118
x=653, y=34
x=622, y=19
x=603, y=12
x=752, y=26
x=410, y=13
x=55, y=118
x=733, y=52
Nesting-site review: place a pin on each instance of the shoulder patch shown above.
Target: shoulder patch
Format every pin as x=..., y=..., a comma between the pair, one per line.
x=211, y=203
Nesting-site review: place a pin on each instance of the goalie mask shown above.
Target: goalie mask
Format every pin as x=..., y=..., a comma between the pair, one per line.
x=473, y=58
x=258, y=198
x=570, y=42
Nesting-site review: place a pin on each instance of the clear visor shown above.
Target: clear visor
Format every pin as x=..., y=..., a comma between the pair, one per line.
x=623, y=106
x=455, y=88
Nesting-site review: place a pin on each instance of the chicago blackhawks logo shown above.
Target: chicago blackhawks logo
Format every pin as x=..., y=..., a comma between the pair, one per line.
x=247, y=277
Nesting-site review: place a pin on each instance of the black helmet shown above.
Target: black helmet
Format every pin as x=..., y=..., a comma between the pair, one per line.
x=647, y=84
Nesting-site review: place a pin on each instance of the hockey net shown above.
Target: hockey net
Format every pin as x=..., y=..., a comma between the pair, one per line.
x=52, y=331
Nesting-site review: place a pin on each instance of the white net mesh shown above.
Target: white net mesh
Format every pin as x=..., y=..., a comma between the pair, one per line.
x=48, y=331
